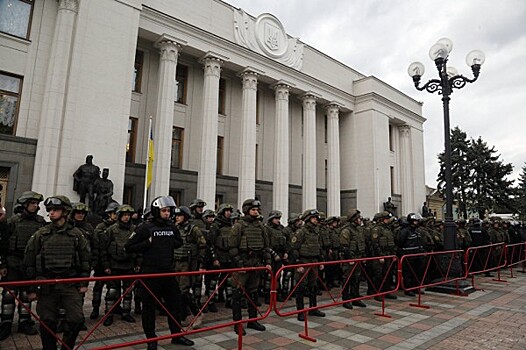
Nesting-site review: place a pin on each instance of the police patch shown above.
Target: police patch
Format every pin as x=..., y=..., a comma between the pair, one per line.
x=294, y=239
x=375, y=235
x=436, y=238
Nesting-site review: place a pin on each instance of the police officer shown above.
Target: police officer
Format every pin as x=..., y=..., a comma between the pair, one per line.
x=189, y=257
x=249, y=247
x=307, y=249
x=14, y=234
x=157, y=240
x=58, y=251
x=98, y=270
x=279, y=244
x=379, y=242
x=352, y=245
x=116, y=261
x=410, y=242
x=293, y=224
x=333, y=271
x=479, y=237
x=463, y=236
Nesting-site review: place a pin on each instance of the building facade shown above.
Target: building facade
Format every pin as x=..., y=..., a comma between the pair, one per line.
x=239, y=109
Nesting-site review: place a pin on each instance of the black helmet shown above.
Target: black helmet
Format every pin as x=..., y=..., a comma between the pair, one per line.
x=274, y=214
x=414, y=218
x=58, y=202
x=112, y=207
x=208, y=213
x=249, y=204
x=183, y=211
x=307, y=214
x=80, y=207
x=235, y=215
x=30, y=195
x=125, y=208
x=197, y=203
x=224, y=207
x=161, y=202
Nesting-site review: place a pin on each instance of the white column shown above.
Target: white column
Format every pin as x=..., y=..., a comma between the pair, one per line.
x=333, y=161
x=309, y=151
x=247, y=162
x=163, y=122
x=206, y=180
x=51, y=120
x=406, y=170
x=280, y=194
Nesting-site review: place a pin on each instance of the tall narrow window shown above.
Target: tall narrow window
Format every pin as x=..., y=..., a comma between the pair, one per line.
x=219, y=200
x=257, y=108
x=4, y=181
x=326, y=174
x=391, y=141
x=10, y=88
x=222, y=95
x=220, y=146
x=132, y=139
x=15, y=17
x=137, y=71
x=181, y=80
x=257, y=161
x=392, y=179
x=177, y=147
x=127, y=195
x=177, y=195
x=325, y=125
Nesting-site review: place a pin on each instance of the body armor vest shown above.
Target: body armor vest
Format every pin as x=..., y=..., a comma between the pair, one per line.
x=310, y=245
x=223, y=237
x=325, y=238
x=58, y=253
x=252, y=236
x=23, y=229
x=118, y=238
x=278, y=241
x=189, y=248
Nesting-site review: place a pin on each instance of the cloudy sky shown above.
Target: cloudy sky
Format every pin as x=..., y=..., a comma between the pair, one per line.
x=381, y=38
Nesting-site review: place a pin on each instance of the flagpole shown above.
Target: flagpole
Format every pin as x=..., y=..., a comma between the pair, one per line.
x=147, y=163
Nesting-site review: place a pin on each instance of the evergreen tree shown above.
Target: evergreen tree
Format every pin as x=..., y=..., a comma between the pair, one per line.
x=521, y=194
x=460, y=148
x=488, y=185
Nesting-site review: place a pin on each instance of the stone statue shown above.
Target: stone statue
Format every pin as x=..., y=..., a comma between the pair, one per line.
x=425, y=211
x=389, y=206
x=103, y=189
x=84, y=179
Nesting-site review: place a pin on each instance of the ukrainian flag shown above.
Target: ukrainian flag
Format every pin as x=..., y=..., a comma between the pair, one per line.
x=149, y=163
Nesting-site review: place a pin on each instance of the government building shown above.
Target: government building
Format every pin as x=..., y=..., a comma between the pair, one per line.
x=239, y=109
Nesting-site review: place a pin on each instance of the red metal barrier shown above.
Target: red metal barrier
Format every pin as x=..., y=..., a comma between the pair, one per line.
x=138, y=278
x=381, y=289
x=429, y=269
x=515, y=255
x=484, y=259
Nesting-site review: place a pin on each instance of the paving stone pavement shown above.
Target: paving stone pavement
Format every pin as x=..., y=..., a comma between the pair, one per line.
x=492, y=318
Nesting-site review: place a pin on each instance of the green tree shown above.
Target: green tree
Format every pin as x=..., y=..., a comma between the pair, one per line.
x=460, y=148
x=521, y=194
x=488, y=186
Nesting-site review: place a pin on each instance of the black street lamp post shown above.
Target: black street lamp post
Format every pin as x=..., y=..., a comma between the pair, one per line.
x=449, y=79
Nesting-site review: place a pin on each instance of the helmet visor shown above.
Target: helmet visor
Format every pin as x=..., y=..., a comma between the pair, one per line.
x=163, y=202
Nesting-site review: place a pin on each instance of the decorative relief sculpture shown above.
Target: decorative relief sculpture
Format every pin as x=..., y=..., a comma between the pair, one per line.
x=267, y=36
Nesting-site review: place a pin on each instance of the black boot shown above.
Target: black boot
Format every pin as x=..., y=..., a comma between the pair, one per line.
x=94, y=314
x=182, y=341
x=300, y=305
x=212, y=307
x=27, y=327
x=49, y=342
x=138, y=308
x=5, y=329
x=71, y=333
x=108, y=321
x=256, y=325
x=312, y=303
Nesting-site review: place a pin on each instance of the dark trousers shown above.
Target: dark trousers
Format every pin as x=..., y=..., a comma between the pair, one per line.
x=166, y=289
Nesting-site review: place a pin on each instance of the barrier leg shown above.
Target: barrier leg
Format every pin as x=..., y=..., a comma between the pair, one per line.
x=419, y=304
x=511, y=272
x=383, y=314
x=305, y=335
x=498, y=279
x=239, y=336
